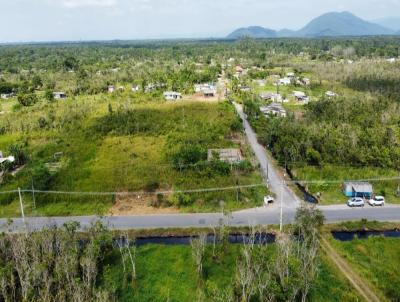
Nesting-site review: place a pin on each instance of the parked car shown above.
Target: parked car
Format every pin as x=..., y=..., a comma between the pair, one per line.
x=267, y=200
x=356, y=202
x=377, y=201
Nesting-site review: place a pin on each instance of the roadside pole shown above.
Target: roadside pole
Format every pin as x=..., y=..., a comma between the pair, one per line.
x=21, y=204
x=281, y=215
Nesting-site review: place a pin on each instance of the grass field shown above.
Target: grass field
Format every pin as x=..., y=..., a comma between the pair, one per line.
x=167, y=273
x=332, y=192
x=114, y=145
x=377, y=259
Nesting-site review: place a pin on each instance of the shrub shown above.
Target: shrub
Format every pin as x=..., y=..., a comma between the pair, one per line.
x=27, y=99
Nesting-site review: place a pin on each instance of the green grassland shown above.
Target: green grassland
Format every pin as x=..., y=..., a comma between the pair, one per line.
x=167, y=273
x=377, y=259
x=125, y=144
x=329, y=180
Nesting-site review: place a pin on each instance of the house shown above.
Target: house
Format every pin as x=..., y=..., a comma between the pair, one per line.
x=6, y=96
x=3, y=159
x=358, y=189
x=209, y=92
x=274, y=109
x=275, y=97
x=135, y=88
x=172, y=96
x=330, y=94
x=290, y=75
x=305, y=81
x=300, y=96
x=121, y=88
x=59, y=95
x=245, y=88
x=391, y=60
x=284, y=82
x=111, y=89
x=231, y=156
x=260, y=83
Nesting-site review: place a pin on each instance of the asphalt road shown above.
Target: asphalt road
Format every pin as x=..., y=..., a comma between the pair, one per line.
x=260, y=216
x=274, y=180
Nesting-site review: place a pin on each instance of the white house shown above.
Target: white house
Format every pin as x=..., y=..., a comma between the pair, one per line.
x=172, y=96
x=275, y=97
x=6, y=96
x=111, y=89
x=135, y=88
x=275, y=109
x=284, y=81
x=330, y=94
x=300, y=96
x=59, y=95
x=3, y=159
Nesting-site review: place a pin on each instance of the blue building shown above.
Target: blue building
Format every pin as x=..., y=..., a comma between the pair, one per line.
x=358, y=189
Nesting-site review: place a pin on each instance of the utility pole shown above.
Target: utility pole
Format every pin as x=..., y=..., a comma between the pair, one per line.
x=21, y=204
x=281, y=215
x=33, y=196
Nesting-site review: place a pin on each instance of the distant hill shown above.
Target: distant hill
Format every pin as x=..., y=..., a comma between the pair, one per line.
x=342, y=24
x=329, y=24
x=256, y=32
x=391, y=23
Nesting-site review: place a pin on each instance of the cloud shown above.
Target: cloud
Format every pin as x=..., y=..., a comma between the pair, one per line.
x=88, y=3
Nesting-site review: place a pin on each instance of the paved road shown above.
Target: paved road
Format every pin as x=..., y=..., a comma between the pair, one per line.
x=276, y=183
x=260, y=216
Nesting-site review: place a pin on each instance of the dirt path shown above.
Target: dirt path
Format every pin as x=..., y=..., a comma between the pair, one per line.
x=356, y=281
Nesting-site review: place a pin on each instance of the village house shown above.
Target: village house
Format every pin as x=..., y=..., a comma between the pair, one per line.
x=135, y=88
x=358, y=189
x=6, y=96
x=245, y=88
x=275, y=109
x=290, y=75
x=231, y=156
x=111, y=89
x=330, y=94
x=3, y=159
x=304, y=81
x=300, y=96
x=59, y=95
x=271, y=96
x=283, y=82
x=208, y=90
x=260, y=83
x=172, y=96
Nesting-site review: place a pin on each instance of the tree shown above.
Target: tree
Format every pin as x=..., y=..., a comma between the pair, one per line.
x=27, y=99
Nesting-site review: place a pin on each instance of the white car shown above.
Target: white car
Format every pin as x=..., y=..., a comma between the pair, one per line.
x=377, y=201
x=356, y=202
x=267, y=200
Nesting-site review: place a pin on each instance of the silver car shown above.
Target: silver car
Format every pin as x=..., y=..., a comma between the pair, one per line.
x=356, y=202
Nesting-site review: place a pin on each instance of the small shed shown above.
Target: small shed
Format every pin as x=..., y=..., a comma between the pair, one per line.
x=172, y=96
x=358, y=189
x=231, y=156
x=59, y=95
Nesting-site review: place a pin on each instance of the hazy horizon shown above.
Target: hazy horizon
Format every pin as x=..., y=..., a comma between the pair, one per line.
x=89, y=20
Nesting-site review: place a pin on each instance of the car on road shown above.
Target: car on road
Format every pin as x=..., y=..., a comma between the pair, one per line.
x=356, y=202
x=267, y=200
x=377, y=201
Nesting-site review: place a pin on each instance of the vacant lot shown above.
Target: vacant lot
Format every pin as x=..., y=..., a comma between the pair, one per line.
x=103, y=144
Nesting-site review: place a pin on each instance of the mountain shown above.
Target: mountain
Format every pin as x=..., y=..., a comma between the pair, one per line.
x=256, y=32
x=342, y=24
x=391, y=23
x=329, y=24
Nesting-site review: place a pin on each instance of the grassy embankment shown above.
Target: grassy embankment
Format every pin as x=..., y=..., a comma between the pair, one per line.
x=377, y=260
x=121, y=144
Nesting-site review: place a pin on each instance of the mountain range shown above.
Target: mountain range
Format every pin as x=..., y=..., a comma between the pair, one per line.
x=327, y=25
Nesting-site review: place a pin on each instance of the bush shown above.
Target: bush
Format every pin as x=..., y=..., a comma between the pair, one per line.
x=27, y=99
x=181, y=199
x=188, y=155
x=19, y=154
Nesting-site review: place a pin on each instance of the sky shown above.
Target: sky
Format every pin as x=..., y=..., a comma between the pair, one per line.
x=76, y=20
